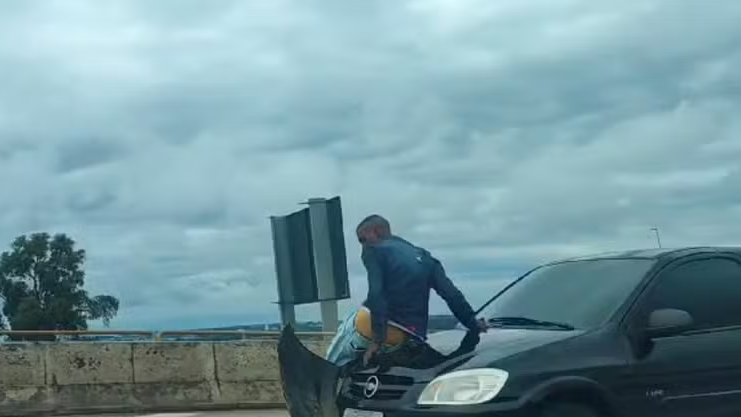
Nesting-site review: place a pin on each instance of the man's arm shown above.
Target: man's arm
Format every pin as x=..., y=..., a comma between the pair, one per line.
x=457, y=303
x=376, y=300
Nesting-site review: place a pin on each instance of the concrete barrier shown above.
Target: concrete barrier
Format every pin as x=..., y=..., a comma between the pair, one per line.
x=61, y=378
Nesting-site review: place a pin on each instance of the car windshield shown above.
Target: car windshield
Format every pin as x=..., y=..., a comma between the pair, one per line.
x=574, y=294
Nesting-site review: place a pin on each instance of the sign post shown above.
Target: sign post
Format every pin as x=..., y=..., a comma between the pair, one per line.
x=311, y=260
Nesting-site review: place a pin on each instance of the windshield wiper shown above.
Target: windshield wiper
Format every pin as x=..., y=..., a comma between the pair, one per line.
x=525, y=321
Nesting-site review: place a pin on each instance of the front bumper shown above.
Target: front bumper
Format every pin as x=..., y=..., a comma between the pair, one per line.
x=404, y=405
x=309, y=382
x=502, y=409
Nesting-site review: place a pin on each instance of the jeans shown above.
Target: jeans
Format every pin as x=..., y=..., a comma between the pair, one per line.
x=348, y=344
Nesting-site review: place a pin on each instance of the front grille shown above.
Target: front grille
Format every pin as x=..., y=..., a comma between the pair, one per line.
x=391, y=387
x=357, y=392
x=384, y=379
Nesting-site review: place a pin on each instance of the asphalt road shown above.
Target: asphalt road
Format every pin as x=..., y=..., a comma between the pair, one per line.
x=240, y=413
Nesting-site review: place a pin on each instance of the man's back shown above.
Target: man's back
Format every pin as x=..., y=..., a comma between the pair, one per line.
x=401, y=276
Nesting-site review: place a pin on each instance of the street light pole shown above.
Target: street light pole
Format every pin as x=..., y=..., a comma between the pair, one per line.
x=658, y=236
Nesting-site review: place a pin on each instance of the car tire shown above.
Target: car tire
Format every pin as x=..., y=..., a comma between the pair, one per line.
x=563, y=409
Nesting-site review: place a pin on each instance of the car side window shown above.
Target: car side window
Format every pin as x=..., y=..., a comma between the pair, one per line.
x=708, y=289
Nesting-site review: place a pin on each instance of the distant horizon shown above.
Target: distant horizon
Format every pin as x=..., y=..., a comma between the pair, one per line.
x=250, y=325
x=477, y=290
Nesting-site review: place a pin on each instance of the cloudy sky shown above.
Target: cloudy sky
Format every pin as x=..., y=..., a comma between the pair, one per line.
x=162, y=134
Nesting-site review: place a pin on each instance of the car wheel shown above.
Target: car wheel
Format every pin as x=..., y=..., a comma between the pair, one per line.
x=568, y=410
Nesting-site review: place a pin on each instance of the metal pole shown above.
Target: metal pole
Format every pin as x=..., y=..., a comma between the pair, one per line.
x=658, y=236
x=323, y=263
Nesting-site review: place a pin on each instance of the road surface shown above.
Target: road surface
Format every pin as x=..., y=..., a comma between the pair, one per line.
x=239, y=413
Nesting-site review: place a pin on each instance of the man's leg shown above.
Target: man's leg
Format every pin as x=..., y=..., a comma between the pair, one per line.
x=348, y=344
x=344, y=346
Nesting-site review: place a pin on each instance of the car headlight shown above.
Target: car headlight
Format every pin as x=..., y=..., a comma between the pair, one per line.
x=471, y=386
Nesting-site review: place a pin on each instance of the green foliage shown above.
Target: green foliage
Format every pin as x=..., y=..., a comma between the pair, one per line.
x=41, y=286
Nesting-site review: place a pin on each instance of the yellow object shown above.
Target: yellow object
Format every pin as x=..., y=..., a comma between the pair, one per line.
x=394, y=335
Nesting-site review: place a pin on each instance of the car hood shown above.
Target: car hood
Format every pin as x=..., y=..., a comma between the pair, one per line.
x=497, y=343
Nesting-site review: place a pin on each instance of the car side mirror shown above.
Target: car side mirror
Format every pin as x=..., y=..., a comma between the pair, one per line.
x=668, y=322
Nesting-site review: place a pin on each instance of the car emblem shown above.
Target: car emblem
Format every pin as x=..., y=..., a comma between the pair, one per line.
x=371, y=386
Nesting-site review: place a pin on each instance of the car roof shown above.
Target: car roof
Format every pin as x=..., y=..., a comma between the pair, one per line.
x=655, y=254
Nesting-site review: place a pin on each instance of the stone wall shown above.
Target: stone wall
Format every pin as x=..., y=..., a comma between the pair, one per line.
x=98, y=377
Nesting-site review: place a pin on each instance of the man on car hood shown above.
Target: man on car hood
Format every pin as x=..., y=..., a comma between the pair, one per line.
x=396, y=311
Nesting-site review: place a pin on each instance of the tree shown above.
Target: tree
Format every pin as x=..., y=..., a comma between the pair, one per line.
x=41, y=286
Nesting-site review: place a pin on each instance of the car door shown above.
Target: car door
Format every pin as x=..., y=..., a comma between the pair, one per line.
x=697, y=372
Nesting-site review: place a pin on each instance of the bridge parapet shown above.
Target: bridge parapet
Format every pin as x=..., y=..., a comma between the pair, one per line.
x=161, y=375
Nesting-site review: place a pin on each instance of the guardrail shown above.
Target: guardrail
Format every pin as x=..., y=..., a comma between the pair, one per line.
x=161, y=334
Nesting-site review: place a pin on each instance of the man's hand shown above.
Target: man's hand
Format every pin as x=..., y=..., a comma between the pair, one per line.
x=482, y=326
x=370, y=352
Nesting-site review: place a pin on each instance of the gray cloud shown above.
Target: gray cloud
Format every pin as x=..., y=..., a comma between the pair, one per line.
x=162, y=135
x=75, y=155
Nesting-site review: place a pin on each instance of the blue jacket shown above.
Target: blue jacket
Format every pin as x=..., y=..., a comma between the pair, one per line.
x=400, y=279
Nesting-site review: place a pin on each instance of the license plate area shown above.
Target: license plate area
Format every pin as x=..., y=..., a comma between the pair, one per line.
x=352, y=412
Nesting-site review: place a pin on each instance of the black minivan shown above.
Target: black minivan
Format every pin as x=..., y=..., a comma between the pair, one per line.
x=653, y=333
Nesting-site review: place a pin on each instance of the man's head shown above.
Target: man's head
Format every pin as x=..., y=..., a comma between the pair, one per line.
x=372, y=229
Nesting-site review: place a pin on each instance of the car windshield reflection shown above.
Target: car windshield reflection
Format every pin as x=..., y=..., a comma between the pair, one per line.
x=569, y=295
